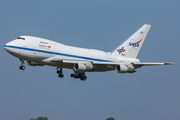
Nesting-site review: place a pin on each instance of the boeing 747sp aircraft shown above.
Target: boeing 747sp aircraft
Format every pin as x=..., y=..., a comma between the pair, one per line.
x=39, y=52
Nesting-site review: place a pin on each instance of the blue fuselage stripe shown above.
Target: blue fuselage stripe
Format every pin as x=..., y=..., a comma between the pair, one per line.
x=56, y=53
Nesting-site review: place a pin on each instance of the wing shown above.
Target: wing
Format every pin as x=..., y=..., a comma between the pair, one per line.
x=152, y=64
x=120, y=67
x=66, y=61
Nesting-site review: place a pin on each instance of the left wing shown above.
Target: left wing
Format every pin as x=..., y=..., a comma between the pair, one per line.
x=68, y=61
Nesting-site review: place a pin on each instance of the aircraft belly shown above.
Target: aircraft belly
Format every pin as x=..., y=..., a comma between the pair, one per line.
x=96, y=68
x=101, y=68
x=59, y=64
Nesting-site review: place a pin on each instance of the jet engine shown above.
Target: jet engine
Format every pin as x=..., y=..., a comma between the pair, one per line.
x=82, y=67
x=34, y=64
x=125, y=68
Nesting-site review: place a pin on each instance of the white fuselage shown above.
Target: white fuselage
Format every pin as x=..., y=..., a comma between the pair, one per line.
x=41, y=51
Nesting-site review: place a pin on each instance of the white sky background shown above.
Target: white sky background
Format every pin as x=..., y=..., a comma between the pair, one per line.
x=152, y=93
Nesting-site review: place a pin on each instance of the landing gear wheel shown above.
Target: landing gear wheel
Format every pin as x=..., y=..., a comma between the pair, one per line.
x=81, y=76
x=58, y=71
x=85, y=77
x=76, y=76
x=61, y=75
x=72, y=75
x=22, y=67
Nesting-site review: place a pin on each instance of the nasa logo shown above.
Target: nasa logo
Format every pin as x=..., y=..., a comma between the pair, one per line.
x=136, y=44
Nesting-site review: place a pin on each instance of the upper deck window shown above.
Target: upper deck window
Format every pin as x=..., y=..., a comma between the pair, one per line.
x=21, y=38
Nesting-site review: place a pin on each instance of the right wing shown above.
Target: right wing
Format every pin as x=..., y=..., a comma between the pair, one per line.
x=109, y=63
x=139, y=64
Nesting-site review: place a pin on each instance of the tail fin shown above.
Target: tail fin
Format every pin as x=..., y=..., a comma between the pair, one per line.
x=131, y=47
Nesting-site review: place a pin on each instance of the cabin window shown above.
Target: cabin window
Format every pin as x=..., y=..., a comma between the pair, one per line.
x=21, y=38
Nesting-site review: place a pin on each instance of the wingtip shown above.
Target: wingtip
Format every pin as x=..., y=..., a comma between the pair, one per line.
x=169, y=63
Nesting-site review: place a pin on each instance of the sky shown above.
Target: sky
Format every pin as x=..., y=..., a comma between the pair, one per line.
x=152, y=93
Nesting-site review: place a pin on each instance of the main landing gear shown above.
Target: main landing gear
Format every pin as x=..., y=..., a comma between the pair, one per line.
x=59, y=72
x=82, y=76
x=22, y=67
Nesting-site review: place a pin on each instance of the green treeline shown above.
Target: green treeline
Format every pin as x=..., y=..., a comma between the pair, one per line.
x=111, y=118
x=45, y=118
x=40, y=118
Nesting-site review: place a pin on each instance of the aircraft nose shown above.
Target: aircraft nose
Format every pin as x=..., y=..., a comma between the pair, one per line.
x=7, y=46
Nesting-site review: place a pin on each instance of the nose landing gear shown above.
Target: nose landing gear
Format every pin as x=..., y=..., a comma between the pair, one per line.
x=22, y=67
x=59, y=72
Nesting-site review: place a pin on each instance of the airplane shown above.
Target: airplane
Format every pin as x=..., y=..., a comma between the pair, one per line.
x=39, y=52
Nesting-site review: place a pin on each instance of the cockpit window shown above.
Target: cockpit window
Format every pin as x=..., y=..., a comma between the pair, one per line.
x=21, y=38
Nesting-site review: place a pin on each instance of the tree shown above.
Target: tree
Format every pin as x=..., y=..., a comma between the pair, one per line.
x=40, y=118
x=111, y=118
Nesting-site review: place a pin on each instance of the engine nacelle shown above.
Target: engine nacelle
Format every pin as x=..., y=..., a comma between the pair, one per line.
x=82, y=67
x=34, y=64
x=123, y=68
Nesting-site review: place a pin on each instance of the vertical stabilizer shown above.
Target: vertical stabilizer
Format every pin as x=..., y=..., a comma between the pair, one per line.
x=131, y=47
